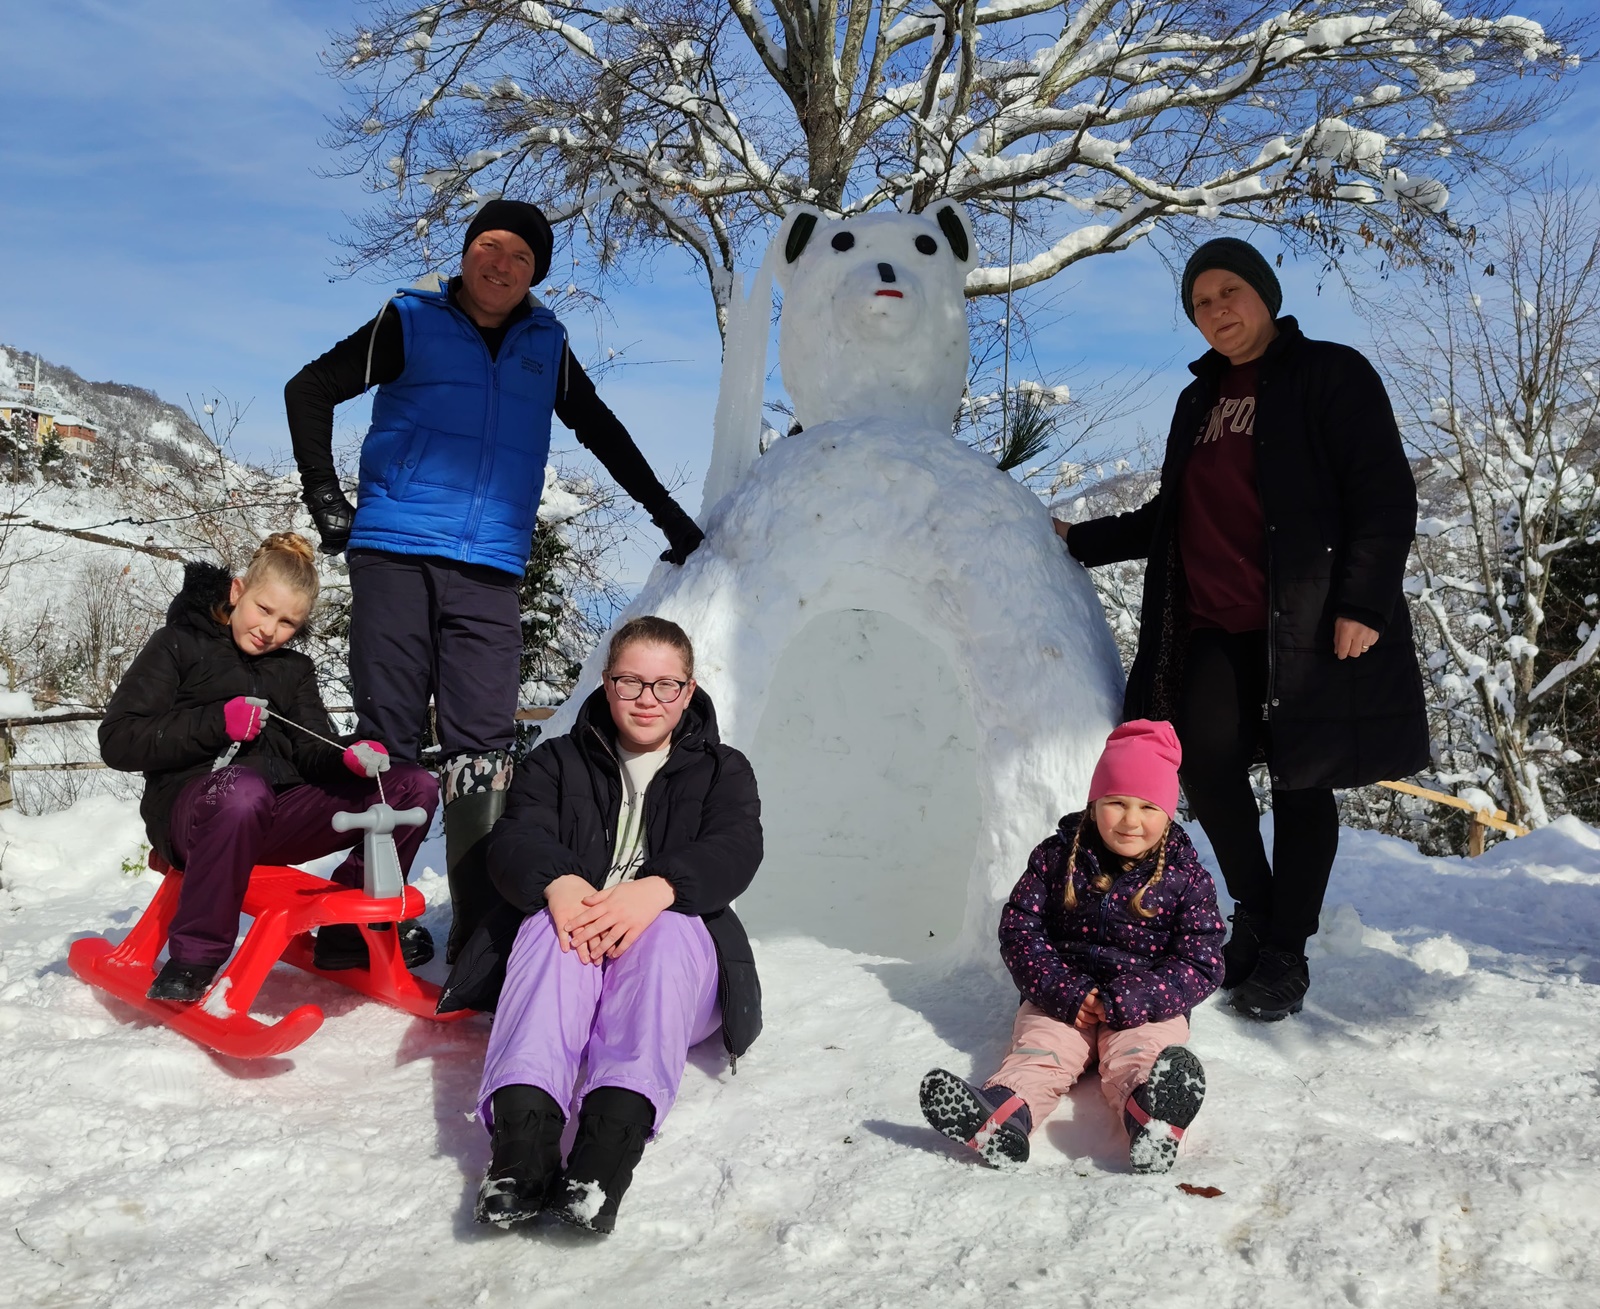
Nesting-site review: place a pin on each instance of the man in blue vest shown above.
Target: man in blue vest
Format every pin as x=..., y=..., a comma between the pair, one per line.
x=451, y=473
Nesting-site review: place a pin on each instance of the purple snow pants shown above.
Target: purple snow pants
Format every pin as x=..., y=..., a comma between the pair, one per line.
x=224, y=823
x=634, y=1018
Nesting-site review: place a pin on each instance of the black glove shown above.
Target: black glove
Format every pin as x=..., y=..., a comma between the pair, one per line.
x=332, y=513
x=682, y=533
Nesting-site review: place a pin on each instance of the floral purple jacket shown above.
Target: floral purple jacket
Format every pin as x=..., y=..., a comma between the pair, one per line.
x=1147, y=969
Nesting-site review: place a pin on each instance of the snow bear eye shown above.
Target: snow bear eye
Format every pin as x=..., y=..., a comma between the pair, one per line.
x=843, y=241
x=927, y=245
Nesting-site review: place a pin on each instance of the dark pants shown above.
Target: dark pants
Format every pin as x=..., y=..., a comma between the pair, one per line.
x=226, y=822
x=424, y=627
x=1220, y=727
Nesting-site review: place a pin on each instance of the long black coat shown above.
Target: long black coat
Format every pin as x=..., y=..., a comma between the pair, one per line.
x=165, y=718
x=702, y=820
x=1340, y=504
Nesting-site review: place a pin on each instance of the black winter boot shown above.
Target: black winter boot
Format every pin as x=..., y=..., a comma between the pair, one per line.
x=467, y=821
x=1157, y=1113
x=1277, y=988
x=526, y=1155
x=1243, y=948
x=613, y=1126
x=182, y=983
x=341, y=945
x=983, y=1118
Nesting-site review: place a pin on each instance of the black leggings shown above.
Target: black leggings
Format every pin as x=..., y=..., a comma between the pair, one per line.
x=1219, y=724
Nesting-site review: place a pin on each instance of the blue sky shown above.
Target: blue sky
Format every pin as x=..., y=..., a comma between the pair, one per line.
x=166, y=226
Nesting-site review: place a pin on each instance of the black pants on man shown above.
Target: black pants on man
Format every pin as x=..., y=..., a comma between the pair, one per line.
x=426, y=628
x=1220, y=727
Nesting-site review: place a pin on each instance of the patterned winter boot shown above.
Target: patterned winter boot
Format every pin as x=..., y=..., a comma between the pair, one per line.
x=1157, y=1113
x=994, y=1120
x=475, y=789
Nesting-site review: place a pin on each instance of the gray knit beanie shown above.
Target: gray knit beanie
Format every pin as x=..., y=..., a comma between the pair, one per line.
x=1237, y=257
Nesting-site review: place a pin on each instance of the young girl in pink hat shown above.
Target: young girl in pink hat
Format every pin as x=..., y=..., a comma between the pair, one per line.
x=1112, y=936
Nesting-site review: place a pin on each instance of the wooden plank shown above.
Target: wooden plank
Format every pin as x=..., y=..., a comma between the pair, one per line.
x=1489, y=818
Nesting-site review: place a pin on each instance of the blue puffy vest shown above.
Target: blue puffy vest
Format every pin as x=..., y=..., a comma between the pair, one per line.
x=453, y=464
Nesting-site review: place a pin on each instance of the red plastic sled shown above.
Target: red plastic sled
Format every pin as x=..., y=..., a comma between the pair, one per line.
x=286, y=904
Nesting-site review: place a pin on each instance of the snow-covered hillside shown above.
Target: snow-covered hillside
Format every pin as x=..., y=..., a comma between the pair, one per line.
x=1424, y=1134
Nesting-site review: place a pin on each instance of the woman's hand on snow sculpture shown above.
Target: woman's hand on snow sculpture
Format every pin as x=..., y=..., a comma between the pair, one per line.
x=1062, y=527
x=564, y=897
x=1090, y=1012
x=618, y=915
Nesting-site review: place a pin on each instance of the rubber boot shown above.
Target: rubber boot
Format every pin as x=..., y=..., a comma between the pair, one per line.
x=467, y=823
x=526, y=1158
x=613, y=1126
x=993, y=1120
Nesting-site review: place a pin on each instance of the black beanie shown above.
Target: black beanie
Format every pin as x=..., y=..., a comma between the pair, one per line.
x=520, y=219
x=1239, y=257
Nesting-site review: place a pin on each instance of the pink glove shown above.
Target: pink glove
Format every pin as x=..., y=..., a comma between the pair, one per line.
x=243, y=716
x=366, y=759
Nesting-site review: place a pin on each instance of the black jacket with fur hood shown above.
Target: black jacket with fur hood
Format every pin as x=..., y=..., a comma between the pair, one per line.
x=702, y=820
x=165, y=718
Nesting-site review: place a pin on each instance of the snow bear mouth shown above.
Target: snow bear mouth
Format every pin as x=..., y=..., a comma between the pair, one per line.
x=898, y=295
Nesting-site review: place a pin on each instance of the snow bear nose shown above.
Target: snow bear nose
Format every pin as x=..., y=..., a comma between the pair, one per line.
x=886, y=272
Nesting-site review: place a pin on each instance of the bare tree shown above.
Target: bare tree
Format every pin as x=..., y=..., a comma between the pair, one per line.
x=1497, y=366
x=1081, y=126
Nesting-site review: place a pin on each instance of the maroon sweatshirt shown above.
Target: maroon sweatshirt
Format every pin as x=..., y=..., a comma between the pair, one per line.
x=1221, y=531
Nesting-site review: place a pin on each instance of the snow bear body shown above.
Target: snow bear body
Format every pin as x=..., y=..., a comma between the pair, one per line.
x=886, y=622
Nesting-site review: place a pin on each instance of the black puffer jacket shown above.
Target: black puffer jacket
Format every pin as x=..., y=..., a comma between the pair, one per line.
x=1340, y=503
x=165, y=718
x=702, y=833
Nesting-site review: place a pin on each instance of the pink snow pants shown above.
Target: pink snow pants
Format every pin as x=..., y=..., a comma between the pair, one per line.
x=1048, y=1056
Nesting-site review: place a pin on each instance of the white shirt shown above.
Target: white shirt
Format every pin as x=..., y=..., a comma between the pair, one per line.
x=638, y=771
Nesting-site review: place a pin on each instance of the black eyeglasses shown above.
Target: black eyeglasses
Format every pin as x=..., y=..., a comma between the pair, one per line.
x=665, y=689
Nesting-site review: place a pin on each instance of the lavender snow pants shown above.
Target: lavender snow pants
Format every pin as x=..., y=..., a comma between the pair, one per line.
x=634, y=1017
x=225, y=823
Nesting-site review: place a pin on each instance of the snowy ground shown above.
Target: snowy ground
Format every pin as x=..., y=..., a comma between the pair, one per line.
x=1426, y=1133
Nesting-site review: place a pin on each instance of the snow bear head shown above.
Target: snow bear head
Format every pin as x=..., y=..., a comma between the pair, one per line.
x=874, y=321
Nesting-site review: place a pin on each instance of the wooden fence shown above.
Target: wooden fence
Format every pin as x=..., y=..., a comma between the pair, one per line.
x=1482, y=819
x=8, y=744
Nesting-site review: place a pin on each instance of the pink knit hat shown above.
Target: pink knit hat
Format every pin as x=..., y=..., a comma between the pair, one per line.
x=1141, y=759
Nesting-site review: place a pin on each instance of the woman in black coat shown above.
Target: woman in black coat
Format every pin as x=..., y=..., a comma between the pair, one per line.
x=615, y=945
x=1273, y=622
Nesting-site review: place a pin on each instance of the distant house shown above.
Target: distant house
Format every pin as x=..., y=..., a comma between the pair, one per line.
x=77, y=437
x=38, y=421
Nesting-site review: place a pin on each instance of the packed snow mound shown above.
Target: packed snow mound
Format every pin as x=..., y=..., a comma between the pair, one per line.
x=878, y=521
x=922, y=677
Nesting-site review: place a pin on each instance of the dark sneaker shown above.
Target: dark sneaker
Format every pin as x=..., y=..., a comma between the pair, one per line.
x=340, y=945
x=1243, y=950
x=1157, y=1113
x=182, y=983
x=526, y=1158
x=613, y=1126
x=1277, y=988
x=993, y=1120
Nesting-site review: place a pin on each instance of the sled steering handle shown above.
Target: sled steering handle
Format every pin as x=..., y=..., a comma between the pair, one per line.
x=380, y=819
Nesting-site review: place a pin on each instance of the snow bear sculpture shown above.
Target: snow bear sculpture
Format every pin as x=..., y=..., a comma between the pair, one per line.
x=888, y=626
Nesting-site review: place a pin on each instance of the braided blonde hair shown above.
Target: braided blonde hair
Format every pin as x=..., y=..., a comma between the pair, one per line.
x=1102, y=879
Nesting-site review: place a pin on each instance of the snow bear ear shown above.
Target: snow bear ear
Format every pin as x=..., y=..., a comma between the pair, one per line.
x=957, y=229
x=799, y=224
